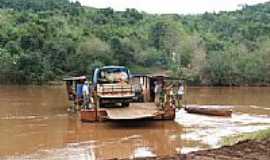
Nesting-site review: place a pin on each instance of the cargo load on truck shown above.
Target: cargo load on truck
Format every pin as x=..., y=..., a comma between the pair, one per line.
x=112, y=85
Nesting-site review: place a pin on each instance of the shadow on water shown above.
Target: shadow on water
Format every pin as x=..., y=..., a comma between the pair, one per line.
x=143, y=123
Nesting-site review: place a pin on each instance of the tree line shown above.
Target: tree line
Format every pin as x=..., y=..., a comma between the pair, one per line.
x=45, y=40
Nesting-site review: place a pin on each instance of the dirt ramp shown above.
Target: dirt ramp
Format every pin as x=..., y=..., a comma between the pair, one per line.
x=247, y=150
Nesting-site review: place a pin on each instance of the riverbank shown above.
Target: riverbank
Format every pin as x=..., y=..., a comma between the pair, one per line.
x=259, y=135
x=245, y=150
x=246, y=146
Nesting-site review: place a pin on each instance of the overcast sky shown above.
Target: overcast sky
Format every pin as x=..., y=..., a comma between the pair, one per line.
x=172, y=6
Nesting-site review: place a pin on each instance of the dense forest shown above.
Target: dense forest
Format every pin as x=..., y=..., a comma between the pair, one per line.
x=44, y=40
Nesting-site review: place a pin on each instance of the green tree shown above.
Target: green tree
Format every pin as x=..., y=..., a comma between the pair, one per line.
x=92, y=53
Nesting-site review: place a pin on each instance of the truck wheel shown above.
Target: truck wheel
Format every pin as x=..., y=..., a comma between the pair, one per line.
x=125, y=104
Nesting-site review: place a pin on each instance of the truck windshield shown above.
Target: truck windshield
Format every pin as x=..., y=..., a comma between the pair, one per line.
x=113, y=75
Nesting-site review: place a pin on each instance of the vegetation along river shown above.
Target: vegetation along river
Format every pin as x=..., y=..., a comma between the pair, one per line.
x=35, y=124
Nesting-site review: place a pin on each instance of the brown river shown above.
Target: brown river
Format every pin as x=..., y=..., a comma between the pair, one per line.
x=35, y=124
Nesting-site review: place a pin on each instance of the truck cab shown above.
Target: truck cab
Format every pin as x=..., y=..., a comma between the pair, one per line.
x=112, y=85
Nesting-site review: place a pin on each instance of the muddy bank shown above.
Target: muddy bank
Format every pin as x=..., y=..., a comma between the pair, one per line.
x=245, y=150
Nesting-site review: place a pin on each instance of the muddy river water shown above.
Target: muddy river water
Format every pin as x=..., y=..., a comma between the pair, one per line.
x=35, y=124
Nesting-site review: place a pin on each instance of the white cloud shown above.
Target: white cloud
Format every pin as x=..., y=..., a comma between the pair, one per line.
x=172, y=6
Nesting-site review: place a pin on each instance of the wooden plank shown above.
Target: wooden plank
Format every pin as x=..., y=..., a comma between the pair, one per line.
x=107, y=88
x=134, y=111
x=123, y=95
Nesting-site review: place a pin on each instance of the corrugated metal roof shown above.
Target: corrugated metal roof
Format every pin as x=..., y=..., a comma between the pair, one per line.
x=75, y=78
x=112, y=66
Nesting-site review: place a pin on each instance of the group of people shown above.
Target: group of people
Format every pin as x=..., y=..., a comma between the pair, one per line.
x=81, y=96
x=176, y=95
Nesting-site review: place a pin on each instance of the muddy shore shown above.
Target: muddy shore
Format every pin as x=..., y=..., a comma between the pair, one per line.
x=245, y=150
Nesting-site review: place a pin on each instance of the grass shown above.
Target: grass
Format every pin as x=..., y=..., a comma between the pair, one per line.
x=258, y=135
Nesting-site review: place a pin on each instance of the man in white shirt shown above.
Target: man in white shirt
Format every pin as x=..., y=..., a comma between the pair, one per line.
x=157, y=91
x=86, y=98
x=180, y=94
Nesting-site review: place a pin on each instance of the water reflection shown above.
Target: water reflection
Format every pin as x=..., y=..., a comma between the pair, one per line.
x=99, y=140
